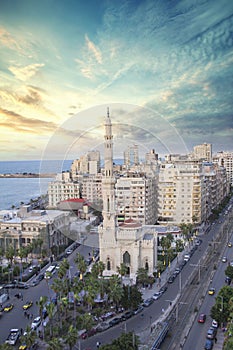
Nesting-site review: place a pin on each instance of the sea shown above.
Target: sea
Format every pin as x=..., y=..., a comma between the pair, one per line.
x=14, y=191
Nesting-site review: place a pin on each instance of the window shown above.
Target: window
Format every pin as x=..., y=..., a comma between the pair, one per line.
x=108, y=264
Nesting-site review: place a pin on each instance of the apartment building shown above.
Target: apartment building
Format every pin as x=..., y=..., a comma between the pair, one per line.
x=203, y=152
x=92, y=189
x=87, y=164
x=225, y=159
x=136, y=199
x=188, y=191
x=26, y=226
x=131, y=156
x=179, y=192
x=61, y=189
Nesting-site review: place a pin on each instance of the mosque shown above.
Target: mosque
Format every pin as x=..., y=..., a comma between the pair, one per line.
x=129, y=242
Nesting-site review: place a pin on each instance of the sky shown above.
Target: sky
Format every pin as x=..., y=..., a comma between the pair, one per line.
x=163, y=67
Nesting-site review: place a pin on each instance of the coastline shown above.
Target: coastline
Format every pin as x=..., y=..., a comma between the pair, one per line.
x=27, y=175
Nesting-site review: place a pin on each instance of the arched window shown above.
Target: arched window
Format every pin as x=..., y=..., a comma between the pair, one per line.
x=146, y=265
x=126, y=258
x=108, y=264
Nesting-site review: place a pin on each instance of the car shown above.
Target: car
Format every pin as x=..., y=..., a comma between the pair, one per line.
x=69, y=251
x=34, y=283
x=36, y=322
x=157, y=295
x=102, y=326
x=8, y=307
x=228, y=280
x=88, y=333
x=231, y=263
x=209, y=344
x=201, y=318
x=211, y=333
x=177, y=270
x=211, y=291
x=115, y=321
x=163, y=289
x=224, y=259
x=214, y=324
x=138, y=310
x=22, y=285
x=40, y=277
x=171, y=279
x=229, y=244
x=27, y=305
x=148, y=302
x=127, y=315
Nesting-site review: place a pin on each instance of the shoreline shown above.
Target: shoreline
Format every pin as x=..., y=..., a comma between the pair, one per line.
x=26, y=175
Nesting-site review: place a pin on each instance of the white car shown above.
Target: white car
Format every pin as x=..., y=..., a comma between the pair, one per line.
x=36, y=322
x=214, y=324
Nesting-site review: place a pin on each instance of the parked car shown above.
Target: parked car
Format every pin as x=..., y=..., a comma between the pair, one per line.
x=228, y=280
x=157, y=295
x=209, y=344
x=201, y=318
x=214, y=324
x=127, y=315
x=102, y=326
x=88, y=333
x=211, y=333
x=40, y=277
x=224, y=259
x=36, y=322
x=138, y=310
x=171, y=279
x=115, y=321
x=148, y=302
x=229, y=244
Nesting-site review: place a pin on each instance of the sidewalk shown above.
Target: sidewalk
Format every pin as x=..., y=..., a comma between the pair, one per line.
x=149, y=292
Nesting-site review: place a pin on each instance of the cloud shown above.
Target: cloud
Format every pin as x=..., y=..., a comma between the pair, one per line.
x=19, y=123
x=7, y=40
x=94, y=50
x=27, y=72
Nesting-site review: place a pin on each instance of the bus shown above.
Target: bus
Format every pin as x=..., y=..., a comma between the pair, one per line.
x=49, y=271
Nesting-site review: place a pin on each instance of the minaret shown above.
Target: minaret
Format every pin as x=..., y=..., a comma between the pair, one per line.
x=108, y=182
x=107, y=231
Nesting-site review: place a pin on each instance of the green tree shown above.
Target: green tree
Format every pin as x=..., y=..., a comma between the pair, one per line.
x=127, y=341
x=72, y=337
x=115, y=290
x=142, y=276
x=10, y=253
x=5, y=346
x=131, y=297
x=55, y=344
x=28, y=338
x=229, y=271
x=221, y=310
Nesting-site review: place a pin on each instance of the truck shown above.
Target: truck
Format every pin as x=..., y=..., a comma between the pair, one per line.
x=13, y=336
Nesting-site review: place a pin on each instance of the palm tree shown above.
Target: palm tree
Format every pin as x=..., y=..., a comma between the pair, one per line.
x=81, y=265
x=115, y=289
x=55, y=344
x=72, y=337
x=29, y=337
x=122, y=270
x=10, y=253
x=41, y=304
x=5, y=346
x=50, y=308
